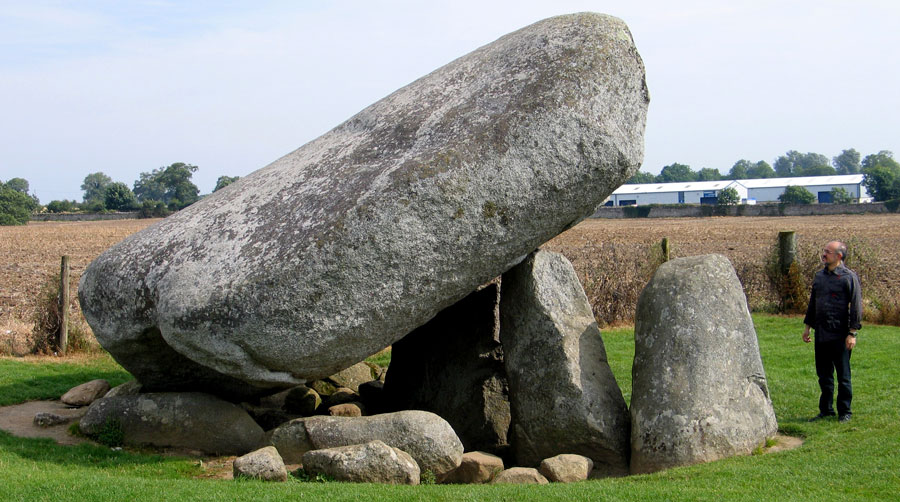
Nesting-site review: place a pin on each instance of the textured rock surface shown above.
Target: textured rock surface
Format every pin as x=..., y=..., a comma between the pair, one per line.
x=189, y=420
x=373, y=462
x=353, y=376
x=347, y=410
x=566, y=468
x=699, y=390
x=86, y=393
x=427, y=437
x=563, y=394
x=476, y=467
x=347, y=244
x=265, y=464
x=453, y=366
x=47, y=419
x=520, y=476
x=129, y=388
x=302, y=400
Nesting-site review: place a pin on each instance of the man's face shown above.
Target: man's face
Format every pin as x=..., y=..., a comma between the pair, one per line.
x=830, y=255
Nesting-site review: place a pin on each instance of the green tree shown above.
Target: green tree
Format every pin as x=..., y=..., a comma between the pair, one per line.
x=847, y=162
x=884, y=158
x=118, y=197
x=739, y=170
x=795, y=194
x=641, y=178
x=881, y=176
x=675, y=173
x=728, y=196
x=708, y=174
x=18, y=184
x=840, y=196
x=224, y=181
x=794, y=163
x=15, y=207
x=171, y=185
x=819, y=171
x=61, y=206
x=761, y=169
x=94, y=185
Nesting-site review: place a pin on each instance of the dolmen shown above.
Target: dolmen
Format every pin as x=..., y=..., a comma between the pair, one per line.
x=394, y=227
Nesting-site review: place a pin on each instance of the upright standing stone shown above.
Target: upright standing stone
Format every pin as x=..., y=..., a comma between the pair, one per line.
x=563, y=394
x=342, y=247
x=699, y=390
x=453, y=366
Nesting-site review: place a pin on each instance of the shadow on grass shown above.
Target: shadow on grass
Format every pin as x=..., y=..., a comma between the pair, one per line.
x=84, y=455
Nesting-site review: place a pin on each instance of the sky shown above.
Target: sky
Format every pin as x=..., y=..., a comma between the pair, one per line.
x=127, y=87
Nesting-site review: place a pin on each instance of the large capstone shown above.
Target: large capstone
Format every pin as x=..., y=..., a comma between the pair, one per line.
x=699, y=390
x=563, y=395
x=342, y=247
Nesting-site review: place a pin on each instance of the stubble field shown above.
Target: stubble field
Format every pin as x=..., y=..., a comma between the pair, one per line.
x=614, y=258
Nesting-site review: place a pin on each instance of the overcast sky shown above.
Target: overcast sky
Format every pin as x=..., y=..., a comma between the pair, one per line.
x=128, y=86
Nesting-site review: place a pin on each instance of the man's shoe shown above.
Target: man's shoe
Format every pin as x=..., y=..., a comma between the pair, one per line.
x=820, y=416
x=844, y=418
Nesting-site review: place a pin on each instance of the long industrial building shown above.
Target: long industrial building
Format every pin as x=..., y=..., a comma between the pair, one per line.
x=750, y=191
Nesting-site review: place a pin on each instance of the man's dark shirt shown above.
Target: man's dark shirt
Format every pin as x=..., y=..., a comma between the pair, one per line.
x=835, y=304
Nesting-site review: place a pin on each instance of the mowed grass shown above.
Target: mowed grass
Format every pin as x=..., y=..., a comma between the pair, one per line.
x=855, y=461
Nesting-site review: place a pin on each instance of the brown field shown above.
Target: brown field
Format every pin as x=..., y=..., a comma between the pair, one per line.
x=614, y=258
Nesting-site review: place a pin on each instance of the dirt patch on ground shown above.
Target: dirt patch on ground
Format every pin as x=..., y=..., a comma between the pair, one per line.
x=18, y=420
x=784, y=443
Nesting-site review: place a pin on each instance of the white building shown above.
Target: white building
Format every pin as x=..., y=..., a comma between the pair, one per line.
x=750, y=191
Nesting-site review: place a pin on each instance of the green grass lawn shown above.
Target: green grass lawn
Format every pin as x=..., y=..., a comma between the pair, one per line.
x=855, y=461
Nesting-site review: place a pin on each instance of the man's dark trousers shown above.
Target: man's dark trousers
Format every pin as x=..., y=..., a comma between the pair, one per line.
x=833, y=357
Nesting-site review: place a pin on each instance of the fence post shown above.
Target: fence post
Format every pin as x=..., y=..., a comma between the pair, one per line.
x=63, y=341
x=664, y=245
x=787, y=250
x=791, y=288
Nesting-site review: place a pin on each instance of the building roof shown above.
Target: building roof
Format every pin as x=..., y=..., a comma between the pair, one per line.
x=843, y=179
x=693, y=186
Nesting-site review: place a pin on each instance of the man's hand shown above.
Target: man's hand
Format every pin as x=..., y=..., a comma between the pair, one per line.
x=806, y=335
x=850, y=342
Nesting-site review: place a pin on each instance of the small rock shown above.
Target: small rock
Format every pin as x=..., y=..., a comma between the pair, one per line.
x=353, y=376
x=86, y=393
x=520, y=476
x=373, y=462
x=129, y=388
x=302, y=400
x=322, y=387
x=45, y=419
x=428, y=438
x=371, y=394
x=476, y=467
x=566, y=468
x=354, y=409
x=340, y=395
x=265, y=464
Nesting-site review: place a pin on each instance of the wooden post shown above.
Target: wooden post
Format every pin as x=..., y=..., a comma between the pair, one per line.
x=787, y=250
x=664, y=245
x=63, y=305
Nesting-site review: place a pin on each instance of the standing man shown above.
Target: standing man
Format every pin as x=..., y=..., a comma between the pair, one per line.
x=834, y=312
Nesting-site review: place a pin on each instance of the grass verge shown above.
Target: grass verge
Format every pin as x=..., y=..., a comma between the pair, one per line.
x=855, y=461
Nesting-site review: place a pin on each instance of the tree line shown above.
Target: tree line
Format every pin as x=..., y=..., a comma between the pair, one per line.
x=881, y=172
x=154, y=194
